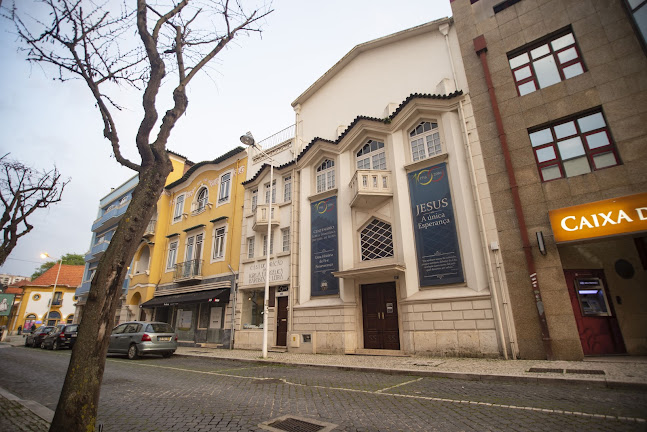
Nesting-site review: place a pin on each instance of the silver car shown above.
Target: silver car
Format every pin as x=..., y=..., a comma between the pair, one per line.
x=137, y=338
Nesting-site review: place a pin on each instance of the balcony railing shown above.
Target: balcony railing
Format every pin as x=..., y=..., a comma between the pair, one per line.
x=58, y=302
x=370, y=187
x=188, y=270
x=198, y=207
x=97, y=250
x=260, y=217
x=110, y=216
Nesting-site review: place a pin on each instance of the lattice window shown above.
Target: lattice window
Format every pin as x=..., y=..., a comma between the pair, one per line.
x=376, y=240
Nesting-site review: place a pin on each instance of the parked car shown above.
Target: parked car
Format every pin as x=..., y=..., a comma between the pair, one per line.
x=63, y=336
x=137, y=338
x=35, y=338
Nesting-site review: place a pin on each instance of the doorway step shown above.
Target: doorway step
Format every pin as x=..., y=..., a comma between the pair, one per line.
x=379, y=352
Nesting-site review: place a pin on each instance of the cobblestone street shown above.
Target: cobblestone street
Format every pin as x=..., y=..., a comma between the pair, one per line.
x=203, y=394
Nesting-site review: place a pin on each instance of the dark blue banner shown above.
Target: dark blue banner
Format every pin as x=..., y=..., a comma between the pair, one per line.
x=324, y=247
x=434, y=226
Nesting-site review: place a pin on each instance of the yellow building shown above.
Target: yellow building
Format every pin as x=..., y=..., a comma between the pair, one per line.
x=55, y=286
x=184, y=272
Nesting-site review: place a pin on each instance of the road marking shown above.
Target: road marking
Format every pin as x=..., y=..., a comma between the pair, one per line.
x=418, y=397
x=398, y=385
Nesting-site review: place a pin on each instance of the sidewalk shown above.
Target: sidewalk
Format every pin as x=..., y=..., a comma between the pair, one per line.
x=615, y=372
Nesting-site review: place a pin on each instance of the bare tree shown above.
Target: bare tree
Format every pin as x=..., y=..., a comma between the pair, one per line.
x=92, y=41
x=23, y=190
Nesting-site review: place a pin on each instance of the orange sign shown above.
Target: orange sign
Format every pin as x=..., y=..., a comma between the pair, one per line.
x=600, y=219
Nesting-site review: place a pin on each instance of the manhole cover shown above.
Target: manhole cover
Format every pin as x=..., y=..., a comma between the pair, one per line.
x=296, y=424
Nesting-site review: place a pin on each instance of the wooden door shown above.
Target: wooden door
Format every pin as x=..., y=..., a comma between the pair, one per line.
x=594, y=314
x=380, y=316
x=281, y=321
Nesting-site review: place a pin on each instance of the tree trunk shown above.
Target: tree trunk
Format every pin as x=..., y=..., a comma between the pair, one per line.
x=79, y=400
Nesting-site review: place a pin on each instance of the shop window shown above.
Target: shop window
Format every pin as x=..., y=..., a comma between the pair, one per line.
x=546, y=62
x=572, y=147
x=326, y=176
x=376, y=240
x=425, y=141
x=371, y=156
x=252, y=316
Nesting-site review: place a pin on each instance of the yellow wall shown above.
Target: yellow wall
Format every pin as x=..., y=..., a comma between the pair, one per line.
x=143, y=285
x=207, y=176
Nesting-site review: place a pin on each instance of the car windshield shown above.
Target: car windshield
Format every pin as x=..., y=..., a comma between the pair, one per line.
x=159, y=328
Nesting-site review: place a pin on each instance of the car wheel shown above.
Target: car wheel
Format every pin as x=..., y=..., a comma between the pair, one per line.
x=42, y=345
x=167, y=355
x=132, y=352
x=55, y=345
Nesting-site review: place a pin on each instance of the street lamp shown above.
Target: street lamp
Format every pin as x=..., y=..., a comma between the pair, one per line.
x=248, y=140
x=51, y=302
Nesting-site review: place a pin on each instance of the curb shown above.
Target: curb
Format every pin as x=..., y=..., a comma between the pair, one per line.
x=40, y=410
x=618, y=385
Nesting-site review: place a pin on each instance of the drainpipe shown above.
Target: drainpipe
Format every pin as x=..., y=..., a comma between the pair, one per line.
x=480, y=47
x=444, y=30
x=234, y=287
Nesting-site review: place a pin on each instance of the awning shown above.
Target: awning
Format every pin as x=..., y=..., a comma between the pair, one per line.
x=215, y=296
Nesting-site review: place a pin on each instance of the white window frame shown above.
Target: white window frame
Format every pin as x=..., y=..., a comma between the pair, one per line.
x=325, y=175
x=219, y=243
x=250, y=247
x=267, y=192
x=285, y=236
x=265, y=244
x=178, y=208
x=254, y=199
x=287, y=188
x=423, y=142
x=193, y=241
x=200, y=205
x=370, y=156
x=224, y=200
x=171, y=255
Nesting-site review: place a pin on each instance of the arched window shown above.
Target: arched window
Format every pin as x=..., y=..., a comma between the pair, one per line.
x=201, y=200
x=142, y=263
x=425, y=140
x=371, y=156
x=376, y=240
x=69, y=319
x=326, y=176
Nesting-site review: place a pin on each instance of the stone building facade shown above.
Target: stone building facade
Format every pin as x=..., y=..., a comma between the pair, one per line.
x=559, y=94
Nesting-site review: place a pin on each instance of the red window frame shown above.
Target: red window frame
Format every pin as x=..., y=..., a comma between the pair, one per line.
x=551, y=52
x=588, y=152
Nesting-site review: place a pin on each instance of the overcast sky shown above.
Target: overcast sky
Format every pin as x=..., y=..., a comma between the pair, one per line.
x=250, y=87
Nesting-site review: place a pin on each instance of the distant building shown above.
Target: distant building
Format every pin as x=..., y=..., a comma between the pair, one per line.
x=7, y=279
x=52, y=287
x=560, y=101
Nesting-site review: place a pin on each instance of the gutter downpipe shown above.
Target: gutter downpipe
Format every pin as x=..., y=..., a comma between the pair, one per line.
x=444, y=30
x=480, y=47
x=233, y=307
